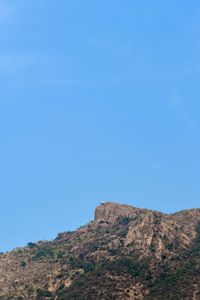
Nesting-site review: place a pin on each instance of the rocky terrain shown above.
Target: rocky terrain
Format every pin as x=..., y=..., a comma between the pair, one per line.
x=126, y=253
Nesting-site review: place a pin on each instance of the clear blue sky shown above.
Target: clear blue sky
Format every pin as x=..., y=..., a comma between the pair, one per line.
x=99, y=100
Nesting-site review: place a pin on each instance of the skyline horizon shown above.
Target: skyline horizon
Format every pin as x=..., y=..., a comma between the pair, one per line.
x=51, y=238
x=98, y=100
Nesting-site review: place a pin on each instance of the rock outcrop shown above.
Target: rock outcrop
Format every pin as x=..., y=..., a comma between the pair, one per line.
x=110, y=212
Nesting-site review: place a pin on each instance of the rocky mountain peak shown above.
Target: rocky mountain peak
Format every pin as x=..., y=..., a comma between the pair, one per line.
x=110, y=211
x=127, y=253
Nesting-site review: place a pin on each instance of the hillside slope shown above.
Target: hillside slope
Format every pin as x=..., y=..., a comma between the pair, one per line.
x=125, y=253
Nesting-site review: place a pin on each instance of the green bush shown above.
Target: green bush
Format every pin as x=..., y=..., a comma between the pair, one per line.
x=170, y=247
x=43, y=253
x=88, y=267
x=31, y=245
x=23, y=264
x=124, y=220
x=43, y=293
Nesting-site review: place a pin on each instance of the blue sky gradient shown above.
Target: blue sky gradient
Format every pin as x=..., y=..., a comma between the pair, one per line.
x=99, y=100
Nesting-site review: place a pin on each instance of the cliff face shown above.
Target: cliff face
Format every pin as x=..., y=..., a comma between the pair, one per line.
x=110, y=212
x=125, y=253
x=149, y=229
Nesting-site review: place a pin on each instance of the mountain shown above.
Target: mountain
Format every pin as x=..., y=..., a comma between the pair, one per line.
x=125, y=253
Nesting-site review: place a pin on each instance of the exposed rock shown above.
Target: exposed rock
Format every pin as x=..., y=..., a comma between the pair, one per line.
x=110, y=212
x=126, y=253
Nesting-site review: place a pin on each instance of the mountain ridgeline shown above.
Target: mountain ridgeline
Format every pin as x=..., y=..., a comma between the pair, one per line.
x=126, y=253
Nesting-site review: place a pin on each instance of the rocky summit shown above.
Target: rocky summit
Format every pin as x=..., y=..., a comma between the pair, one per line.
x=125, y=253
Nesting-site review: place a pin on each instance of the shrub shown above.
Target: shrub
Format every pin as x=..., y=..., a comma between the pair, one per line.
x=23, y=264
x=124, y=220
x=31, y=245
x=43, y=253
x=43, y=293
x=88, y=267
x=152, y=248
x=112, y=252
x=170, y=247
